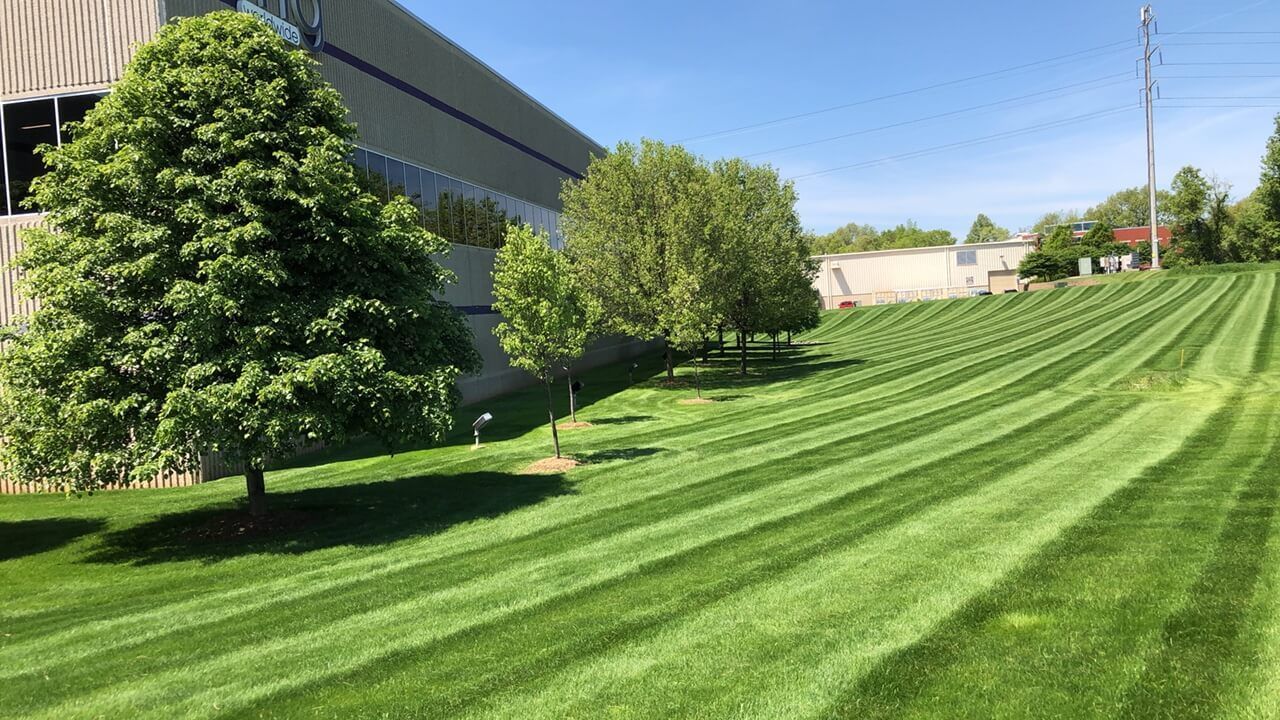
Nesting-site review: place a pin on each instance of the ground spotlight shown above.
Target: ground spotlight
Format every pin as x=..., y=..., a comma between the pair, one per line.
x=480, y=422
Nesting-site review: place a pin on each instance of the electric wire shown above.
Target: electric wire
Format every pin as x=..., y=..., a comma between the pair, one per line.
x=973, y=108
x=1097, y=51
x=1063, y=122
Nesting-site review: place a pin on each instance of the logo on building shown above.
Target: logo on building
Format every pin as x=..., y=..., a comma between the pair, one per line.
x=299, y=22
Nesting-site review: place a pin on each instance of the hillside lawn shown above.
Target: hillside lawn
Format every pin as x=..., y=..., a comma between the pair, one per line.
x=1058, y=504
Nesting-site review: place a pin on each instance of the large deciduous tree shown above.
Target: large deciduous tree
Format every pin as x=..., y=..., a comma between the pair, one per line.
x=212, y=277
x=547, y=317
x=630, y=226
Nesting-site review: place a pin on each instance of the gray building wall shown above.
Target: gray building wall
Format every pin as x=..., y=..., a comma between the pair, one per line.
x=390, y=67
x=392, y=121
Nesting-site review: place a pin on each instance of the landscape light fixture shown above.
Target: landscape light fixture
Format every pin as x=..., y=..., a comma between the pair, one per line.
x=631, y=374
x=480, y=423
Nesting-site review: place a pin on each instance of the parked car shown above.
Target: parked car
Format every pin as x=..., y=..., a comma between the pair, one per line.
x=983, y=292
x=848, y=305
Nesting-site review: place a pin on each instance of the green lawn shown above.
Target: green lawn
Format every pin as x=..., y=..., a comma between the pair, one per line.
x=997, y=507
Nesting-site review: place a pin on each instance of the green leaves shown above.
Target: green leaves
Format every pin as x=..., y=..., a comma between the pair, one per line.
x=212, y=276
x=548, y=319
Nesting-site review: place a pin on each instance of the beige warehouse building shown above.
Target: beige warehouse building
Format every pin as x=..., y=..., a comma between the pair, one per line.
x=883, y=277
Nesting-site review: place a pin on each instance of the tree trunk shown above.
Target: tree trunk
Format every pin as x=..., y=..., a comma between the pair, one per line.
x=697, y=377
x=775, y=346
x=257, y=487
x=721, y=331
x=573, y=409
x=551, y=413
x=788, y=338
x=742, y=354
x=666, y=357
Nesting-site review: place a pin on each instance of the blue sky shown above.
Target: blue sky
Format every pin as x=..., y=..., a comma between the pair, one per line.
x=677, y=71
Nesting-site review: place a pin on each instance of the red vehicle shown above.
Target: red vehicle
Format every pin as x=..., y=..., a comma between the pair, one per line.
x=848, y=305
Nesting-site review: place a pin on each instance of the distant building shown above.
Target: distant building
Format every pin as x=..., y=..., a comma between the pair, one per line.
x=884, y=277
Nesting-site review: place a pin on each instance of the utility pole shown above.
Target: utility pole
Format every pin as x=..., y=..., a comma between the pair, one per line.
x=1148, y=19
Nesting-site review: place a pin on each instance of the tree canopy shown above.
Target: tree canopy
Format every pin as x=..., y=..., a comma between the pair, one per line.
x=211, y=276
x=547, y=318
x=634, y=220
x=984, y=230
x=863, y=238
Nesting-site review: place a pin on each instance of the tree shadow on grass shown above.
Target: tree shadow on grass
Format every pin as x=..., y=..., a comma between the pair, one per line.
x=317, y=518
x=603, y=456
x=31, y=537
x=623, y=420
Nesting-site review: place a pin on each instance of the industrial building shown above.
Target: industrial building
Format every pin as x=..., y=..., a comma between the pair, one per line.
x=883, y=277
x=436, y=124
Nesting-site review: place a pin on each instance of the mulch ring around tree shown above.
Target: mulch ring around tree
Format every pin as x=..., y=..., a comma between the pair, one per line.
x=572, y=425
x=697, y=401
x=551, y=466
x=240, y=525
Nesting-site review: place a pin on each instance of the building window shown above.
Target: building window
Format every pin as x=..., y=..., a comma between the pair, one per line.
x=967, y=257
x=27, y=125
x=457, y=211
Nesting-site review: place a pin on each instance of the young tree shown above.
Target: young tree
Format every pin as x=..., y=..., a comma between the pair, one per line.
x=984, y=230
x=212, y=277
x=634, y=222
x=757, y=245
x=547, y=317
x=692, y=321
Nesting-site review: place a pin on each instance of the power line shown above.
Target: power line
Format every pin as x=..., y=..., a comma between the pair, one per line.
x=1099, y=50
x=952, y=113
x=973, y=141
x=1225, y=97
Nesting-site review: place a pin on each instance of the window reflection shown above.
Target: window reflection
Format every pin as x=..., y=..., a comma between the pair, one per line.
x=27, y=125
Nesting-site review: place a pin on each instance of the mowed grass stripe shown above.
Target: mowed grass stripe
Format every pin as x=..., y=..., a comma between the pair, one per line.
x=616, y=702
x=641, y=515
x=1122, y=558
x=450, y=675
x=1170, y=300
x=273, y=478
x=792, y=641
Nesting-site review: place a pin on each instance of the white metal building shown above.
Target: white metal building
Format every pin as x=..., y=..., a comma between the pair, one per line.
x=949, y=271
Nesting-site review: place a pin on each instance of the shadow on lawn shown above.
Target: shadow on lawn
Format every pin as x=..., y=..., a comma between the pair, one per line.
x=517, y=413
x=603, y=456
x=31, y=537
x=317, y=518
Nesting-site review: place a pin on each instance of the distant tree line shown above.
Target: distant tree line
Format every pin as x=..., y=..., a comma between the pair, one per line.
x=1207, y=226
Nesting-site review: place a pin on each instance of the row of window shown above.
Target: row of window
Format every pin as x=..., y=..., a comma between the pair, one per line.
x=454, y=209
x=24, y=126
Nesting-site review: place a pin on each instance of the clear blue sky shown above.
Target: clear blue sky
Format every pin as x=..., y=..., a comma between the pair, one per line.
x=679, y=70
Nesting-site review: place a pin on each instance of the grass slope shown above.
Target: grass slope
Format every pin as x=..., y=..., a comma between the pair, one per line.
x=1057, y=504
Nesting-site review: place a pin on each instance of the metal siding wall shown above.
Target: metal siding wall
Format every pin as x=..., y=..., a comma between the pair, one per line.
x=60, y=46
x=392, y=122
x=474, y=268
x=11, y=305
